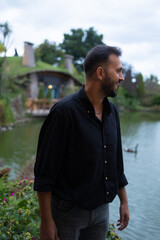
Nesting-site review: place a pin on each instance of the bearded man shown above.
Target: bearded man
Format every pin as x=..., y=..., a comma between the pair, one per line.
x=79, y=164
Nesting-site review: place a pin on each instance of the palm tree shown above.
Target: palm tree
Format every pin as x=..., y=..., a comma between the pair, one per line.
x=6, y=31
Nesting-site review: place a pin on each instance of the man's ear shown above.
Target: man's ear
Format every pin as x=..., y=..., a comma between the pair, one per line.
x=100, y=73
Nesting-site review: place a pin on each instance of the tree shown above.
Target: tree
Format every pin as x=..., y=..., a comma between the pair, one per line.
x=2, y=48
x=140, y=88
x=6, y=31
x=48, y=52
x=79, y=42
x=152, y=84
x=156, y=99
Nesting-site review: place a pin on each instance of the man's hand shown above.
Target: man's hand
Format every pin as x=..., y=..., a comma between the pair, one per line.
x=48, y=230
x=124, y=217
x=123, y=210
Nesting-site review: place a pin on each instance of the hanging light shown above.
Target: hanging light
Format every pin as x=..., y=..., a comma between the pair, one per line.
x=50, y=86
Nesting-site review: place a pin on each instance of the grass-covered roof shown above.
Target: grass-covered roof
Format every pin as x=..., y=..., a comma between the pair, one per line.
x=16, y=68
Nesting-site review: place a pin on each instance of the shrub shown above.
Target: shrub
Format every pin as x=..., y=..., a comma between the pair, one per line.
x=69, y=90
x=19, y=218
x=6, y=114
x=41, y=92
x=156, y=100
x=111, y=233
x=49, y=94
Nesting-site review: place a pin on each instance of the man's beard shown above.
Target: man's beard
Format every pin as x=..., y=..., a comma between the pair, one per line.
x=108, y=88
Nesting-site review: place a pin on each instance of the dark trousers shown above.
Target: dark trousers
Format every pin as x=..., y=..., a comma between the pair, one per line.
x=74, y=223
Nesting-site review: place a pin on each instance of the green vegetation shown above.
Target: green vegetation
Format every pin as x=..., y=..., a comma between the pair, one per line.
x=69, y=90
x=140, y=94
x=125, y=100
x=6, y=114
x=156, y=99
x=49, y=52
x=15, y=67
x=112, y=234
x=49, y=94
x=79, y=42
x=19, y=218
x=41, y=92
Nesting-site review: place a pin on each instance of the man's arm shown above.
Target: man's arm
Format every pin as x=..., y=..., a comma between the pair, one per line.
x=124, y=211
x=48, y=230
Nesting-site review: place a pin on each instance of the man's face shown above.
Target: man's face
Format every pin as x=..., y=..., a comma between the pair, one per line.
x=113, y=76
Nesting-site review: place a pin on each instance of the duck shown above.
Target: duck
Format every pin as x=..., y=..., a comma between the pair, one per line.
x=132, y=150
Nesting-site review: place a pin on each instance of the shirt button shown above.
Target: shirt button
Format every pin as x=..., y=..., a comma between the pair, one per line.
x=88, y=111
x=105, y=146
x=107, y=193
x=105, y=162
x=106, y=178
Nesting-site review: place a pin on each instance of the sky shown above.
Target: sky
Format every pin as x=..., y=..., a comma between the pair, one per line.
x=132, y=25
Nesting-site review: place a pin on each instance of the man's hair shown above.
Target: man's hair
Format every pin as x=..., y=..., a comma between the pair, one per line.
x=97, y=56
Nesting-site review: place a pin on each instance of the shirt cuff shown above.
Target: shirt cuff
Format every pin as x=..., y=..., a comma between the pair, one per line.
x=122, y=181
x=43, y=184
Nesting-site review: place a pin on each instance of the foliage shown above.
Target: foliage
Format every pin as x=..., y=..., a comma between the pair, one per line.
x=19, y=218
x=156, y=99
x=5, y=31
x=80, y=76
x=79, y=42
x=111, y=233
x=41, y=92
x=69, y=90
x=127, y=72
x=125, y=100
x=48, y=52
x=21, y=82
x=15, y=67
x=6, y=114
x=49, y=94
x=152, y=85
x=141, y=88
x=3, y=78
x=2, y=48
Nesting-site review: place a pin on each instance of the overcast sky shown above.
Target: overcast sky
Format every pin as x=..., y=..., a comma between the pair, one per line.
x=133, y=25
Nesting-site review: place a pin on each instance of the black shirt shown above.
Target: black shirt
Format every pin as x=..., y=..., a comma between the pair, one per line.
x=79, y=158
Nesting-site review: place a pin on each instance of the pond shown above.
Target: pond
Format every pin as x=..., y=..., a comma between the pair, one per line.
x=143, y=174
x=142, y=170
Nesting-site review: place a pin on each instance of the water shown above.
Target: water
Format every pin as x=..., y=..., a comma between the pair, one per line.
x=142, y=170
x=18, y=146
x=143, y=174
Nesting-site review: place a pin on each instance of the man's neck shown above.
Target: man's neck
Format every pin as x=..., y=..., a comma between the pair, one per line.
x=94, y=96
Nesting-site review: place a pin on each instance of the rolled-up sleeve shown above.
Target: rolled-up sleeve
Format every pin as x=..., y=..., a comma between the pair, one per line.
x=122, y=180
x=50, y=151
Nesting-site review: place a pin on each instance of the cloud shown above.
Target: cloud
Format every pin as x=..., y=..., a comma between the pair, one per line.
x=133, y=25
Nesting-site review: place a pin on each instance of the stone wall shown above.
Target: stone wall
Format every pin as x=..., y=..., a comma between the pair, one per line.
x=17, y=108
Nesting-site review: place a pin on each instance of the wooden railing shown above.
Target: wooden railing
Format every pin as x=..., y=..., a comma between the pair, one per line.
x=40, y=104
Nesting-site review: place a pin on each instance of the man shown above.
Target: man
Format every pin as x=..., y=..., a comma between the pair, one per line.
x=79, y=165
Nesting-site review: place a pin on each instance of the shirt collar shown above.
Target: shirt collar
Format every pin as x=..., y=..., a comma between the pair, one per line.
x=88, y=105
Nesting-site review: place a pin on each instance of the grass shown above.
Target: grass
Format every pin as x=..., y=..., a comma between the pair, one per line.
x=15, y=67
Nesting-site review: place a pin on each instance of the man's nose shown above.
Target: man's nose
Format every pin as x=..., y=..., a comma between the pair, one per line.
x=121, y=77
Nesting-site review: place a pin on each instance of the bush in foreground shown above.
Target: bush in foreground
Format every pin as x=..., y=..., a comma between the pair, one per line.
x=19, y=218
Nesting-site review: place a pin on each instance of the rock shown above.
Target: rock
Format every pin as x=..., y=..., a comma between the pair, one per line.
x=3, y=129
x=5, y=172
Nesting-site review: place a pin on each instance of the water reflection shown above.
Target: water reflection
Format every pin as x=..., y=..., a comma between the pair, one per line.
x=19, y=145
x=142, y=170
